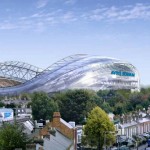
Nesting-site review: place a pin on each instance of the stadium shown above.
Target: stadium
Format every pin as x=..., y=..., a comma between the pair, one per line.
x=73, y=72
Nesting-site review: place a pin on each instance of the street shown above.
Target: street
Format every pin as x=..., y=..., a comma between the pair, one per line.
x=142, y=147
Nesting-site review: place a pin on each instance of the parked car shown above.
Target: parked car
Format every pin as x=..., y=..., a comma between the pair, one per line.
x=144, y=140
x=140, y=138
x=131, y=142
x=148, y=142
x=146, y=135
x=123, y=147
x=114, y=148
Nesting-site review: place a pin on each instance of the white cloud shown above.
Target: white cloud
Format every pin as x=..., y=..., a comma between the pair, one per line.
x=68, y=16
x=70, y=2
x=42, y=20
x=39, y=21
x=138, y=11
x=41, y=3
x=36, y=15
x=40, y=27
x=7, y=26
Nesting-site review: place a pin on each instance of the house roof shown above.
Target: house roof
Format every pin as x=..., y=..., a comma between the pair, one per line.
x=67, y=124
x=133, y=123
x=6, y=110
x=143, y=120
x=57, y=142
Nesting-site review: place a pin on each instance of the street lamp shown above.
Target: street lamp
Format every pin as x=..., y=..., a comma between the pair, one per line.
x=118, y=137
x=137, y=143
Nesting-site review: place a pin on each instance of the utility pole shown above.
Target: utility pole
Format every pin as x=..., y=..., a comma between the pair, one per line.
x=137, y=145
x=99, y=144
x=75, y=138
x=118, y=141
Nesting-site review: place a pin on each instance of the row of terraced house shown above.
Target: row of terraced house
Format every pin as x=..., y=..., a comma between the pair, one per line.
x=134, y=124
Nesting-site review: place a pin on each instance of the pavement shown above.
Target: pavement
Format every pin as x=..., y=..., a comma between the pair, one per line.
x=142, y=147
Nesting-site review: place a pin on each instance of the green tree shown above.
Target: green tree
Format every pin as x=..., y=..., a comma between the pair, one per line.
x=104, y=94
x=11, y=137
x=106, y=107
x=2, y=98
x=136, y=99
x=25, y=96
x=124, y=92
x=129, y=107
x=11, y=105
x=2, y=104
x=99, y=129
x=29, y=104
x=75, y=104
x=42, y=106
x=145, y=103
x=119, y=109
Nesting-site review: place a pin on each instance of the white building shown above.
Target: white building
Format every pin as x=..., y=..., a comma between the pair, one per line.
x=6, y=114
x=134, y=126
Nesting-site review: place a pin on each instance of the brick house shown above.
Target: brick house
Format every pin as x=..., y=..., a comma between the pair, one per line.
x=64, y=137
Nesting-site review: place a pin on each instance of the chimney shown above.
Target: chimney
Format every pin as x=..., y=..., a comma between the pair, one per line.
x=56, y=115
x=144, y=110
x=121, y=120
x=137, y=116
x=125, y=119
x=56, y=119
x=129, y=118
x=133, y=117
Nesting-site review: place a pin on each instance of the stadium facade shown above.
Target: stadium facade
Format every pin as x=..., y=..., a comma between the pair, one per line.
x=73, y=72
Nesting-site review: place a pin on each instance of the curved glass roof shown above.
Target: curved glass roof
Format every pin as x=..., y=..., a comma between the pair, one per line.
x=18, y=71
x=76, y=71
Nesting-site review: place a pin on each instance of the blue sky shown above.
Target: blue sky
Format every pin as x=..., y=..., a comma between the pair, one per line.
x=40, y=32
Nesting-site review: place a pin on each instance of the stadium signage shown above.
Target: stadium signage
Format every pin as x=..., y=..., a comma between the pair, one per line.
x=5, y=116
x=123, y=73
